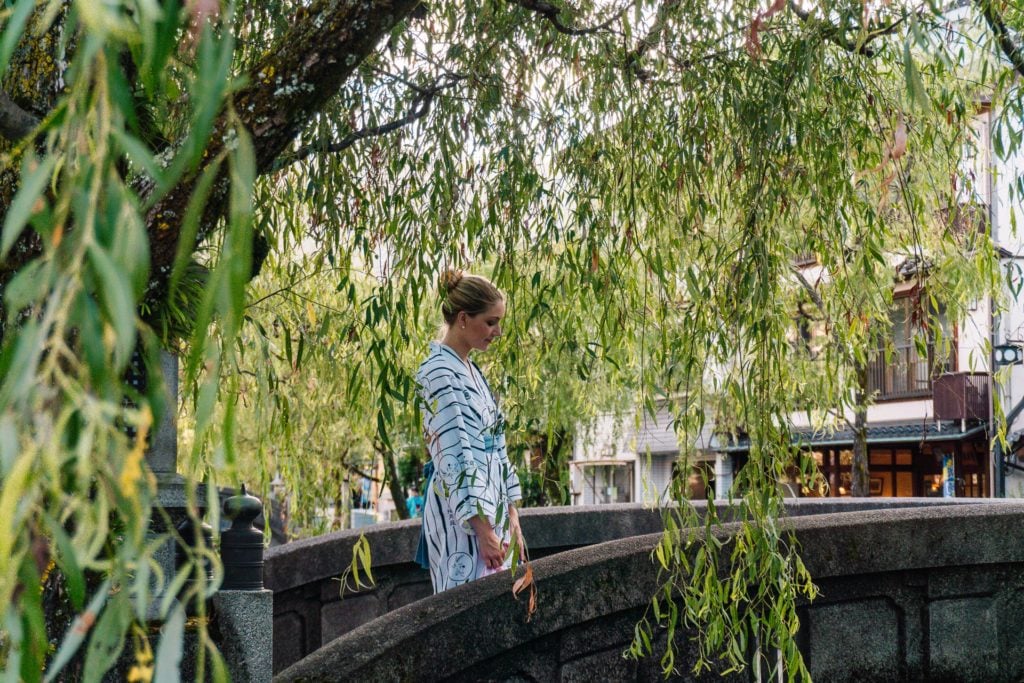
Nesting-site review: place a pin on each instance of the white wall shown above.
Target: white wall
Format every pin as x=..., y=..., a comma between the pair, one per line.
x=622, y=439
x=1007, y=207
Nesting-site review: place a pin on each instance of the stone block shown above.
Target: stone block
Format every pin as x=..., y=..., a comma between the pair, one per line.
x=609, y=665
x=960, y=582
x=599, y=634
x=963, y=640
x=856, y=641
x=246, y=625
x=338, y=618
x=289, y=639
x=409, y=593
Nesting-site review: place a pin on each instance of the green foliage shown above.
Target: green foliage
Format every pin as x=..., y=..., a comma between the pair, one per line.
x=640, y=192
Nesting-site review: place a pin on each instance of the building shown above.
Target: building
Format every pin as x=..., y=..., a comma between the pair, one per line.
x=631, y=459
x=931, y=424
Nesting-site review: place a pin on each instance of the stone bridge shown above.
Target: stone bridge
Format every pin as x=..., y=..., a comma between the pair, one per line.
x=911, y=590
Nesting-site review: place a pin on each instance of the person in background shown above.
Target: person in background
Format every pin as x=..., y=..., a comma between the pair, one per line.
x=414, y=504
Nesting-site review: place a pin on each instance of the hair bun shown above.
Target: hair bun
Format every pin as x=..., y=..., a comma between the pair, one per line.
x=450, y=279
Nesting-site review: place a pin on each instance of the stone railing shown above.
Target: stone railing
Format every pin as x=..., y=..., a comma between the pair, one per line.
x=914, y=594
x=309, y=610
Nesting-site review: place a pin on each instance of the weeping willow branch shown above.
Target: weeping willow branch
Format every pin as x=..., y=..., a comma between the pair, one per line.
x=837, y=35
x=652, y=37
x=551, y=13
x=1013, y=51
x=419, y=108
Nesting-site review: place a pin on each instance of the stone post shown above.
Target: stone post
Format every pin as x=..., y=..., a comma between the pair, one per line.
x=171, y=494
x=244, y=610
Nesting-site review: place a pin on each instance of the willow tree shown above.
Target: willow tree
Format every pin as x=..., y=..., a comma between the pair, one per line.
x=638, y=176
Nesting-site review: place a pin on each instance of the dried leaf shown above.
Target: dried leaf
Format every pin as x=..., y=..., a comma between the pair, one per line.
x=523, y=581
x=899, y=142
x=526, y=582
x=753, y=45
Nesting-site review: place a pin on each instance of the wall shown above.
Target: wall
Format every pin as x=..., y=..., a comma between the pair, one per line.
x=929, y=593
x=309, y=611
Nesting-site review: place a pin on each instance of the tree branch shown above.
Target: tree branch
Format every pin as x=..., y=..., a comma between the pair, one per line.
x=1013, y=51
x=652, y=37
x=418, y=108
x=551, y=13
x=811, y=291
x=15, y=122
x=837, y=35
x=324, y=46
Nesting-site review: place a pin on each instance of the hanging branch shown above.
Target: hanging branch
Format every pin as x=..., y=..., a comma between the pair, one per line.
x=838, y=37
x=652, y=37
x=418, y=108
x=1013, y=51
x=551, y=13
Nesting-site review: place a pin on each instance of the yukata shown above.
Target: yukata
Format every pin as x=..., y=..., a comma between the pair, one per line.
x=465, y=436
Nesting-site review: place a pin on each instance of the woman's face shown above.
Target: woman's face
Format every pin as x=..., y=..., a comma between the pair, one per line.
x=485, y=327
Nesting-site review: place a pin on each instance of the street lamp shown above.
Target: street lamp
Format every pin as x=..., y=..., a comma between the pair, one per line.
x=1008, y=354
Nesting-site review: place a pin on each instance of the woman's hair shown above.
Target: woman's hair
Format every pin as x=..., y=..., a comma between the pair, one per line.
x=470, y=293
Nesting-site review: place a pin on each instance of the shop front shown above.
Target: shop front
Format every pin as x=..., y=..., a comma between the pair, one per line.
x=904, y=460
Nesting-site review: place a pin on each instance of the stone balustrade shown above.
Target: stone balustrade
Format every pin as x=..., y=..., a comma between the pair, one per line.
x=304, y=575
x=924, y=593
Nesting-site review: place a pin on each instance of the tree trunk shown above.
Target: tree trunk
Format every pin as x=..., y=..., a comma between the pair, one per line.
x=394, y=484
x=860, y=486
x=323, y=48
x=553, y=490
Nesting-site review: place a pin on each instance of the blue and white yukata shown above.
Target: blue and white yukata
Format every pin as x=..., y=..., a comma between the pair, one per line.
x=465, y=436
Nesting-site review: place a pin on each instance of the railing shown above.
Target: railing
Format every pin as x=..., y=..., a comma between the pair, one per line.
x=962, y=396
x=966, y=217
x=901, y=374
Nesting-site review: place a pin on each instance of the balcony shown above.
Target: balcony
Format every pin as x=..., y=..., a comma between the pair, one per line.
x=962, y=396
x=966, y=218
x=901, y=375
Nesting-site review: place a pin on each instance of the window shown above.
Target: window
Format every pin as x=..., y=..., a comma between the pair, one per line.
x=700, y=479
x=608, y=483
x=906, y=365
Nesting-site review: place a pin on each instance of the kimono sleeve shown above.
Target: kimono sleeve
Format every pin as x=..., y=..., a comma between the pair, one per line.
x=512, y=487
x=464, y=484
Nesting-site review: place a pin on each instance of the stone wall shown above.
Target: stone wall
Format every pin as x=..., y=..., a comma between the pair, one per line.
x=913, y=594
x=309, y=610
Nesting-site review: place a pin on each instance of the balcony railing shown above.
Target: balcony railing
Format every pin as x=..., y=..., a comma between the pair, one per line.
x=962, y=396
x=901, y=374
x=966, y=217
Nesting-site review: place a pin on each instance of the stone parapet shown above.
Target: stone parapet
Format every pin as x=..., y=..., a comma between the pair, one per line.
x=309, y=610
x=908, y=594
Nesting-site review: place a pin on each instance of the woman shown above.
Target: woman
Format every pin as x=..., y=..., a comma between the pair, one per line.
x=469, y=518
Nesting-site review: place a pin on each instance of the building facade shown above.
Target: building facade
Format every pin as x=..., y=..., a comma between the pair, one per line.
x=931, y=423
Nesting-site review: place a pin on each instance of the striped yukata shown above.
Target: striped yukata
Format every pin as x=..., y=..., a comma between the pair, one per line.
x=465, y=435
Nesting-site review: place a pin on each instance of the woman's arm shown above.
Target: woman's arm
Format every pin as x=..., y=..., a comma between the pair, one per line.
x=490, y=545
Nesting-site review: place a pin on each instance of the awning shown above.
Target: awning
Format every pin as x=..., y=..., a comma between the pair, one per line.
x=914, y=432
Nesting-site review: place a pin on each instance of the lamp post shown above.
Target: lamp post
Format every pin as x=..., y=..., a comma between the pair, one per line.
x=1007, y=353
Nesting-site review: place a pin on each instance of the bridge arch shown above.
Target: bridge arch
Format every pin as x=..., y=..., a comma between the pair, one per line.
x=930, y=593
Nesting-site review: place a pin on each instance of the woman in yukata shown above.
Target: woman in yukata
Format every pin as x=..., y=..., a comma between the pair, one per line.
x=469, y=517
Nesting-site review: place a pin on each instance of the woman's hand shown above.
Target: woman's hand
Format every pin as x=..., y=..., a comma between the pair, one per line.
x=489, y=543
